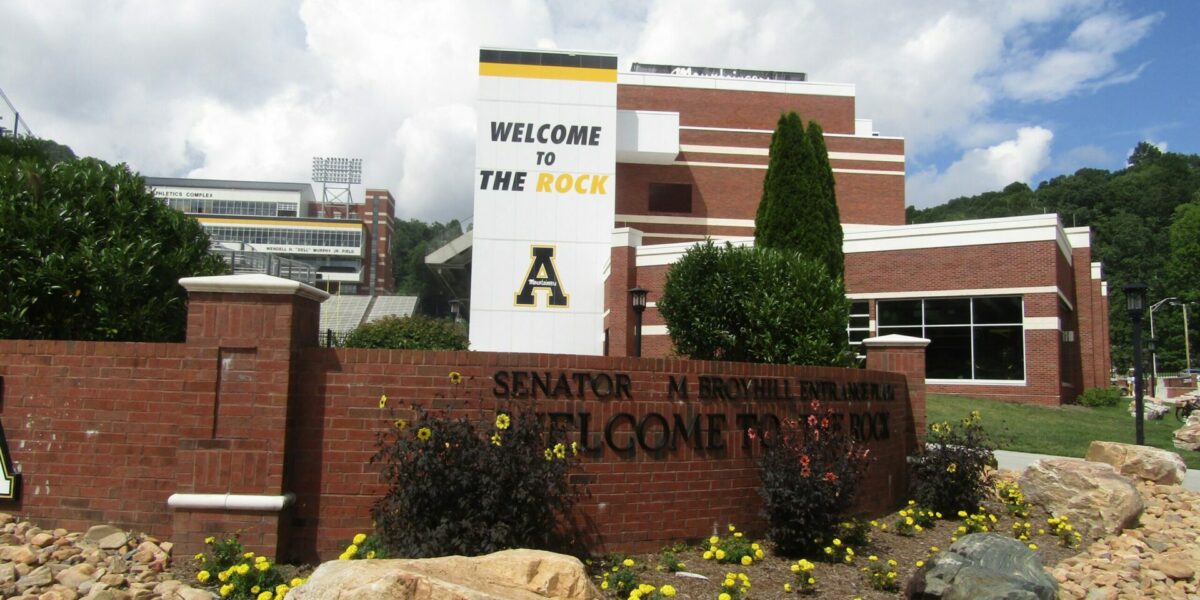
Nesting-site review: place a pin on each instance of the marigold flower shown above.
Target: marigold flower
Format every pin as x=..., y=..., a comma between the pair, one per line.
x=455, y=377
x=203, y=576
x=747, y=561
x=920, y=563
x=226, y=590
x=260, y=559
x=604, y=584
x=255, y=590
x=400, y=424
x=787, y=588
x=503, y=421
x=1033, y=546
x=549, y=455
x=724, y=596
x=952, y=468
x=296, y=582
x=708, y=555
x=627, y=562
x=496, y=439
x=560, y=451
x=265, y=596
x=209, y=540
x=758, y=553
x=223, y=576
x=383, y=401
x=360, y=538
x=732, y=528
x=714, y=539
x=243, y=569
x=720, y=554
x=424, y=434
x=199, y=556
x=667, y=591
x=796, y=568
x=263, y=566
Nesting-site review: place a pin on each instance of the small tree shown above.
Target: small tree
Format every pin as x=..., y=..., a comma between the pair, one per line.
x=798, y=210
x=754, y=305
x=89, y=253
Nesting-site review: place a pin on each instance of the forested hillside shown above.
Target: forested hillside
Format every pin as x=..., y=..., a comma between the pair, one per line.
x=1145, y=221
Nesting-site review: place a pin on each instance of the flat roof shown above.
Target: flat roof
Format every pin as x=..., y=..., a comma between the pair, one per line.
x=305, y=189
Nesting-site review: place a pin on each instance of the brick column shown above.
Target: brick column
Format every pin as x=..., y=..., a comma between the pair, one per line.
x=230, y=473
x=903, y=354
x=622, y=276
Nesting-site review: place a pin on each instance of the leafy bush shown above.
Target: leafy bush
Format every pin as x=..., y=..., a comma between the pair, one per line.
x=755, y=305
x=409, y=333
x=1013, y=498
x=950, y=472
x=364, y=546
x=89, y=253
x=806, y=583
x=1100, y=397
x=455, y=487
x=882, y=574
x=810, y=472
x=733, y=549
x=238, y=574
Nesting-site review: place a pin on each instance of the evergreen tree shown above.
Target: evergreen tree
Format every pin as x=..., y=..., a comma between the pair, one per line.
x=832, y=218
x=798, y=210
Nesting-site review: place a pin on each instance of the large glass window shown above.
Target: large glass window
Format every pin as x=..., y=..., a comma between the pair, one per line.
x=969, y=338
x=285, y=237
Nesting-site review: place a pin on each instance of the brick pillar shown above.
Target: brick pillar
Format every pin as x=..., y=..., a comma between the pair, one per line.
x=622, y=276
x=230, y=475
x=903, y=354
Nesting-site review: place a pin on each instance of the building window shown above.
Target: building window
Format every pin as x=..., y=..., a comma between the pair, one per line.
x=671, y=197
x=969, y=338
x=858, y=328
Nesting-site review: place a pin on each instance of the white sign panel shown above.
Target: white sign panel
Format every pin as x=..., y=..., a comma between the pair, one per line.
x=545, y=183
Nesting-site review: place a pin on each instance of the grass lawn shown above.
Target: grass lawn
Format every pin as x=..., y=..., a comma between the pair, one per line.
x=1061, y=431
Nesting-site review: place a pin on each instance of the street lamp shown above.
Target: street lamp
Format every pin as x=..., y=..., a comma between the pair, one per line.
x=1187, y=341
x=1153, y=354
x=637, y=298
x=1135, y=298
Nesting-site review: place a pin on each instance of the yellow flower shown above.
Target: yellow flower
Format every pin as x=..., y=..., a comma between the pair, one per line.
x=796, y=568
x=455, y=377
x=503, y=421
x=296, y=582
x=243, y=569
x=732, y=528
x=560, y=451
x=549, y=455
x=755, y=546
x=787, y=588
x=248, y=555
x=282, y=588
x=667, y=591
x=400, y=424
x=708, y=555
x=811, y=581
x=837, y=542
x=747, y=561
x=352, y=549
x=260, y=559
x=627, y=562
x=255, y=590
x=383, y=401
x=359, y=538
x=199, y=556
x=370, y=554
x=604, y=584
x=226, y=590
x=720, y=554
x=574, y=448
x=920, y=563
x=203, y=576
x=223, y=576
x=737, y=534
x=496, y=439
x=724, y=596
x=714, y=539
x=758, y=553
x=209, y=540
x=952, y=468
x=1033, y=546
x=962, y=513
x=263, y=566
x=424, y=434
x=265, y=596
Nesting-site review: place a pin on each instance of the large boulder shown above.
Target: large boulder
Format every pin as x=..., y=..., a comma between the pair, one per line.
x=983, y=566
x=1154, y=464
x=1097, y=499
x=510, y=574
x=1188, y=436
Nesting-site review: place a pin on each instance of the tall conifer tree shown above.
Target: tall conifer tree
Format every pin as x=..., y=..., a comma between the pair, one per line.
x=798, y=210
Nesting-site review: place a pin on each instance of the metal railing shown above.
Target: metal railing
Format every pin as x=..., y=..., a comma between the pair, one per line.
x=243, y=261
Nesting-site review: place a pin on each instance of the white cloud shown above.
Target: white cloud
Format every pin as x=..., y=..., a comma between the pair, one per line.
x=229, y=89
x=984, y=169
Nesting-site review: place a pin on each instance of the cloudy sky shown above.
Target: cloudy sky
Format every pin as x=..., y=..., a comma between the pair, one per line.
x=986, y=93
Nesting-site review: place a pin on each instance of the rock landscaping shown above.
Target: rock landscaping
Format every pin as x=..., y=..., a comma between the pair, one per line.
x=1143, y=542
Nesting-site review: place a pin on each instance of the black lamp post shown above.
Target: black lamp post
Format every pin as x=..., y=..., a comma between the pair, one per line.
x=637, y=298
x=1135, y=298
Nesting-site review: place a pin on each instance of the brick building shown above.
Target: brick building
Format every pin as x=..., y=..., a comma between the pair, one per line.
x=1015, y=308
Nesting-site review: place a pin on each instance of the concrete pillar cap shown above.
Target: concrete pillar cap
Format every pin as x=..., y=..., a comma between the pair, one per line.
x=895, y=341
x=252, y=283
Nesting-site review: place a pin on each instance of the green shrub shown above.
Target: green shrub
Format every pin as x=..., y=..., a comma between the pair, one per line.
x=455, y=487
x=949, y=474
x=409, y=333
x=810, y=473
x=754, y=305
x=1100, y=397
x=89, y=253
x=238, y=574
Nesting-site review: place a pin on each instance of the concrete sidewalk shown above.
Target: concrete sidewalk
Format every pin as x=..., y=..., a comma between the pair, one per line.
x=1017, y=461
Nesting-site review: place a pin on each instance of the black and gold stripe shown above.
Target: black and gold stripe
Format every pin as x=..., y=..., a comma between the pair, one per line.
x=547, y=65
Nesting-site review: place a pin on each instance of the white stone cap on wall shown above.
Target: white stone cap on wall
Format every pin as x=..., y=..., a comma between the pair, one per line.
x=247, y=502
x=894, y=340
x=252, y=283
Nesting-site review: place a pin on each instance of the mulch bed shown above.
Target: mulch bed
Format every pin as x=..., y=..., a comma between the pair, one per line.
x=841, y=581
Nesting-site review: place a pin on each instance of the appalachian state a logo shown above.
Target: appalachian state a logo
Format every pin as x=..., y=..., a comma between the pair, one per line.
x=542, y=276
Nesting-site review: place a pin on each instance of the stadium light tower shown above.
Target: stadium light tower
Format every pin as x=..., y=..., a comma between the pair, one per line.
x=336, y=175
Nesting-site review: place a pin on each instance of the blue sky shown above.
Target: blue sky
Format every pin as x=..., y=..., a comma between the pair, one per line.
x=984, y=92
